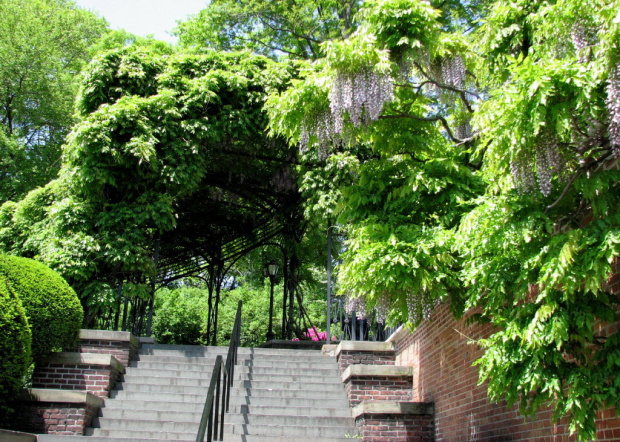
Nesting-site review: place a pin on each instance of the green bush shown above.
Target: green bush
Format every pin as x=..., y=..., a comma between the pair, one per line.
x=180, y=316
x=15, y=340
x=53, y=309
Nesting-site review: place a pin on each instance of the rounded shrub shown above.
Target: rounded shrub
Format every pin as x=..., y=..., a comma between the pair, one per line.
x=180, y=316
x=15, y=339
x=53, y=309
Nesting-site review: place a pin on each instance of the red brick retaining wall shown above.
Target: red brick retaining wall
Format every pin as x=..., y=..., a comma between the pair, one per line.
x=96, y=379
x=366, y=353
x=122, y=345
x=442, y=357
x=56, y=418
x=395, y=428
x=56, y=411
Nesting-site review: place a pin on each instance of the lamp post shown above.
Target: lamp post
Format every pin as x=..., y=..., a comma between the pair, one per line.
x=271, y=270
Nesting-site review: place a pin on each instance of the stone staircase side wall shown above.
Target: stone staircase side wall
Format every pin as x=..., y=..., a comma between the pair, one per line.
x=56, y=411
x=122, y=345
x=96, y=379
x=92, y=372
x=379, y=388
x=396, y=428
x=366, y=353
x=57, y=418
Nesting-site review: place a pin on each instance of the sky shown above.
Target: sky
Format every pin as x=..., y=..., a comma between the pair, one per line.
x=143, y=17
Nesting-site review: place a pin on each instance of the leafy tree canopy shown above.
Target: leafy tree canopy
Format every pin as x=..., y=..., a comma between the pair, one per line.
x=43, y=47
x=284, y=28
x=169, y=157
x=475, y=162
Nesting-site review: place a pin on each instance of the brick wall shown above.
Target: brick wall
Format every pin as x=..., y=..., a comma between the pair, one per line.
x=56, y=418
x=387, y=427
x=367, y=358
x=378, y=388
x=55, y=411
x=96, y=379
x=442, y=357
x=122, y=345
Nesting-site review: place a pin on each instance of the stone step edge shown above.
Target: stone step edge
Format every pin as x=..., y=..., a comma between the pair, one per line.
x=362, y=370
x=393, y=408
x=61, y=396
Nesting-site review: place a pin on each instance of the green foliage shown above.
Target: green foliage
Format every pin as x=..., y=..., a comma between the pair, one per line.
x=180, y=316
x=254, y=314
x=52, y=307
x=157, y=135
x=284, y=28
x=15, y=341
x=43, y=46
x=493, y=194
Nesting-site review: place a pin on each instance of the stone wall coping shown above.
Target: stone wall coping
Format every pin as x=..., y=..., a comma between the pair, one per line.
x=329, y=349
x=107, y=335
x=66, y=357
x=369, y=346
x=392, y=407
x=396, y=336
x=62, y=396
x=16, y=436
x=358, y=370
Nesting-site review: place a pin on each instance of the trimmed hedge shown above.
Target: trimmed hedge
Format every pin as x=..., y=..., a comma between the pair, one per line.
x=15, y=339
x=53, y=309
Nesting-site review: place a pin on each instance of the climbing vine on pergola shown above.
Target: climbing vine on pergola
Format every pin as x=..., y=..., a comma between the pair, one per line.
x=169, y=173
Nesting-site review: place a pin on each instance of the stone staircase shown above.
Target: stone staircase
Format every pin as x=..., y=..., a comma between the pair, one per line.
x=280, y=395
x=277, y=395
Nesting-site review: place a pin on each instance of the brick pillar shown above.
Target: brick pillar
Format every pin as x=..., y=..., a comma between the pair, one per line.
x=122, y=345
x=363, y=352
x=395, y=421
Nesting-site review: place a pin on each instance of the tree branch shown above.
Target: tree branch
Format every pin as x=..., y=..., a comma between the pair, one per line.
x=432, y=119
x=462, y=92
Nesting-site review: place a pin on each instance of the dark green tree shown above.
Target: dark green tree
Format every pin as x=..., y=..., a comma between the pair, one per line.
x=44, y=44
x=277, y=29
x=476, y=164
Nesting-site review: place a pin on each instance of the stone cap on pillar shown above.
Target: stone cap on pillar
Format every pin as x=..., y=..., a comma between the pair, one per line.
x=369, y=346
x=360, y=370
x=62, y=396
x=393, y=408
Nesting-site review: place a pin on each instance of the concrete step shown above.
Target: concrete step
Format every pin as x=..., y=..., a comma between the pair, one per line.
x=297, y=378
x=149, y=415
x=276, y=383
x=141, y=435
x=330, y=409
x=278, y=370
x=172, y=371
x=157, y=389
x=173, y=363
x=65, y=438
x=229, y=438
x=288, y=420
x=165, y=380
x=299, y=364
x=180, y=350
x=165, y=426
x=127, y=404
x=158, y=397
x=271, y=401
x=200, y=351
x=278, y=393
x=321, y=431
x=258, y=438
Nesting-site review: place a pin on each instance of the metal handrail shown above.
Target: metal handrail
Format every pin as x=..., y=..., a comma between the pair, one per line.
x=212, y=421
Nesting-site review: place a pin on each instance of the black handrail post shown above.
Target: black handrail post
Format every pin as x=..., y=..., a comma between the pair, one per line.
x=212, y=422
x=216, y=410
x=226, y=394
